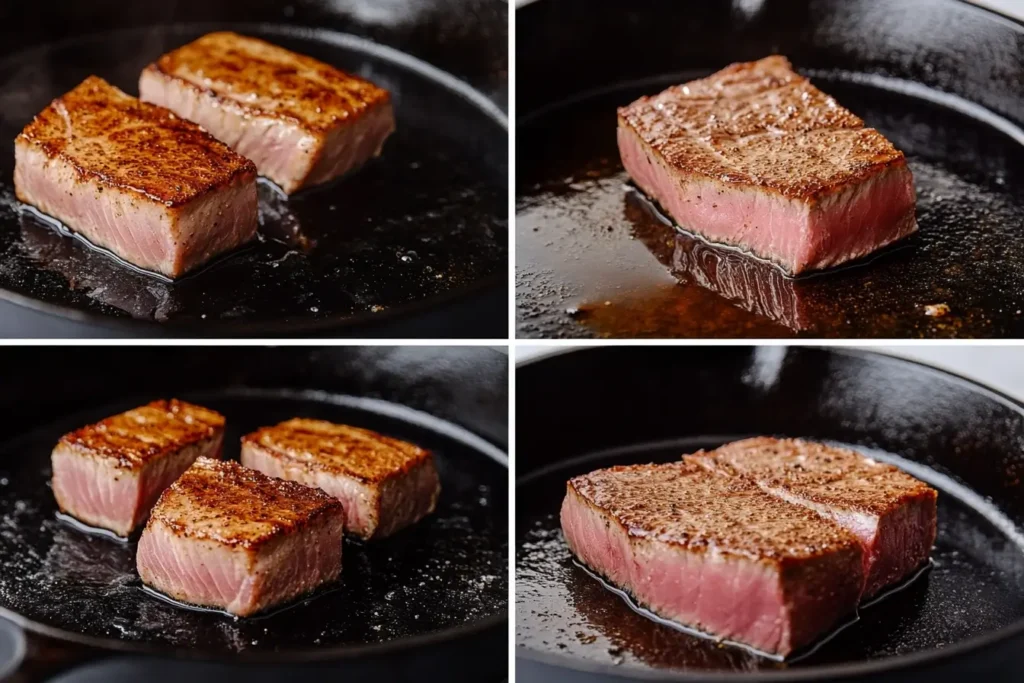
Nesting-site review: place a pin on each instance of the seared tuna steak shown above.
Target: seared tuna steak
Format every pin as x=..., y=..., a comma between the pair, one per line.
x=110, y=474
x=385, y=484
x=302, y=121
x=135, y=179
x=715, y=552
x=891, y=513
x=756, y=157
x=229, y=537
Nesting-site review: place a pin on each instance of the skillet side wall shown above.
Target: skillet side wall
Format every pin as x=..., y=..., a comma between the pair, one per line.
x=593, y=400
x=467, y=38
x=948, y=45
x=466, y=386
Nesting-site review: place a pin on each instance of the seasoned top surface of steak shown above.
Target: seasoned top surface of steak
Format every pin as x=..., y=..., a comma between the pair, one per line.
x=703, y=511
x=271, y=81
x=128, y=144
x=224, y=502
x=835, y=477
x=350, y=451
x=140, y=435
x=760, y=123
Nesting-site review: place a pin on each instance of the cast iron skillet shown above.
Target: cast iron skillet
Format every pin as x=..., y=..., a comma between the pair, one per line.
x=583, y=410
x=429, y=601
x=414, y=244
x=942, y=79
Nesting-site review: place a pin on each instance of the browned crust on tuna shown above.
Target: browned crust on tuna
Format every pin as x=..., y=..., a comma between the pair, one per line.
x=316, y=96
x=144, y=434
x=362, y=454
x=822, y=474
x=756, y=110
x=748, y=523
x=223, y=502
x=133, y=145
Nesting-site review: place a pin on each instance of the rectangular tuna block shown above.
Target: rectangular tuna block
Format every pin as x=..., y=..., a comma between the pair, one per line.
x=891, y=513
x=301, y=121
x=715, y=552
x=110, y=474
x=756, y=157
x=385, y=484
x=228, y=537
x=135, y=179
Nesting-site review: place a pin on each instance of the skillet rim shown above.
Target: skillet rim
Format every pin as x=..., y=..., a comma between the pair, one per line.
x=289, y=325
x=930, y=657
x=496, y=453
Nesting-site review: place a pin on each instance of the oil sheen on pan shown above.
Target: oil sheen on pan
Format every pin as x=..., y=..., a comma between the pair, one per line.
x=597, y=258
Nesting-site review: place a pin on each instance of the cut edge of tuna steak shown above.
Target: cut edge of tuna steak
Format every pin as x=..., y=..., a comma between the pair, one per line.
x=715, y=553
x=301, y=121
x=892, y=514
x=384, y=483
x=133, y=178
x=756, y=157
x=228, y=537
x=110, y=474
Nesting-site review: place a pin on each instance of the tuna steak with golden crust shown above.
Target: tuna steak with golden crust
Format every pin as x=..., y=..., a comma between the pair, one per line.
x=385, y=484
x=715, y=552
x=756, y=157
x=228, y=537
x=110, y=474
x=891, y=513
x=133, y=178
x=301, y=121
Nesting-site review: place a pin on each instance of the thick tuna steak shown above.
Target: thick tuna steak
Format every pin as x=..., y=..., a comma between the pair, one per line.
x=229, y=537
x=385, y=484
x=135, y=179
x=302, y=121
x=715, y=552
x=110, y=474
x=892, y=514
x=756, y=157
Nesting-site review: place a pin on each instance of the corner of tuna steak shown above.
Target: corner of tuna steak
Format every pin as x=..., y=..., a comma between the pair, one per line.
x=303, y=122
x=154, y=189
x=228, y=537
x=756, y=157
x=384, y=483
x=110, y=474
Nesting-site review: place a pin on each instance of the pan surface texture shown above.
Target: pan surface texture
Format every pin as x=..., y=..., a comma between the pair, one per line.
x=942, y=79
x=422, y=229
x=439, y=585
x=963, y=617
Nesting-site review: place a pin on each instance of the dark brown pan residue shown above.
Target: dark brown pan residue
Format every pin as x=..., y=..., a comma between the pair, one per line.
x=597, y=258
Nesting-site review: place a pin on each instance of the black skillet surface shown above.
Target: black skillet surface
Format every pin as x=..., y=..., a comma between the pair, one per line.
x=964, y=617
x=416, y=233
x=942, y=79
x=407, y=604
